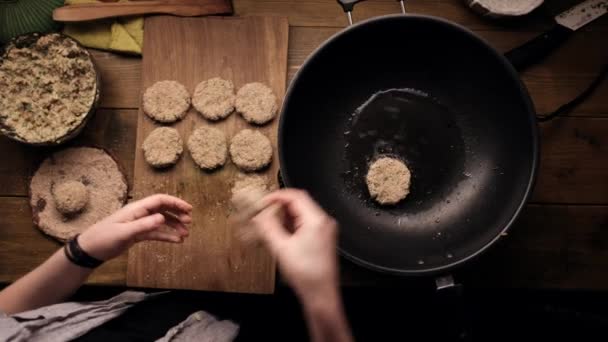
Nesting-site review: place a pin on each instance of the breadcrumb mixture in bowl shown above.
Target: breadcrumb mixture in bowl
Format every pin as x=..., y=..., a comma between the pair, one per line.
x=50, y=88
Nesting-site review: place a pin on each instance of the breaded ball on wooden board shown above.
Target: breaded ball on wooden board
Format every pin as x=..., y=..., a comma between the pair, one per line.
x=95, y=169
x=166, y=101
x=208, y=147
x=388, y=180
x=162, y=147
x=257, y=103
x=71, y=197
x=214, y=98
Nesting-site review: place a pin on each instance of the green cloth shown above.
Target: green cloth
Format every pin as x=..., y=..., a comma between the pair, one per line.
x=19, y=17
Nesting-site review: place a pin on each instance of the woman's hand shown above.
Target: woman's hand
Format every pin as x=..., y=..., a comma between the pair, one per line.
x=303, y=239
x=157, y=217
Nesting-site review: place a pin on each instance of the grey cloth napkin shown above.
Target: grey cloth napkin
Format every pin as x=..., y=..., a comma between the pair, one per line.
x=66, y=321
x=201, y=326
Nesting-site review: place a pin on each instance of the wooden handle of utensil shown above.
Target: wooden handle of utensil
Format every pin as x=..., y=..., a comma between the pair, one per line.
x=93, y=11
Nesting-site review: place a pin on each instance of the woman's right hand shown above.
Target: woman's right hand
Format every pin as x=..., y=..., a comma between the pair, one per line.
x=303, y=239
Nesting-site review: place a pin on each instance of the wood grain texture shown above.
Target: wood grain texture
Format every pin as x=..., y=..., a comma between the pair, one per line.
x=549, y=247
x=553, y=82
x=328, y=13
x=563, y=247
x=574, y=156
x=95, y=11
x=120, y=79
x=564, y=167
x=110, y=129
x=560, y=77
x=552, y=246
x=23, y=247
x=191, y=50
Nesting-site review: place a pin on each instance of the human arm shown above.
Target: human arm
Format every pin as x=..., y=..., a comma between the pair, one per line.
x=158, y=217
x=303, y=239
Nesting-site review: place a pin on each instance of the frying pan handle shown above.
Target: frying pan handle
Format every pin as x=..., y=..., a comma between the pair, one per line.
x=536, y=49
x=539, y=47
x=349, y=5
x=452, y=296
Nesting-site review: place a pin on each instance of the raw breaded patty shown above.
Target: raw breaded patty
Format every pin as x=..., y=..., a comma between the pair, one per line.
x=163, y=147
x=166, y=101
x=388, y=180
x=250, y=150
x=214, y=98
x=257, y=103
x=208, y=148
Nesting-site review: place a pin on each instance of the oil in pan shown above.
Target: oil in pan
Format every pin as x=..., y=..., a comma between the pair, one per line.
x=413, y=127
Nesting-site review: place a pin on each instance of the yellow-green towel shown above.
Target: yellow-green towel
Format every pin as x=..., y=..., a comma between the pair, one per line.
x=120, y=34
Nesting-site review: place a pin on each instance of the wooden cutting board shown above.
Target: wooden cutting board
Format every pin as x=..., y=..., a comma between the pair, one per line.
x=190, y=50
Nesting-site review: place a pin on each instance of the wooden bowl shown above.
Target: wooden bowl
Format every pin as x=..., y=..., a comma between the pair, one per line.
x=31, y=38
x=506, y=8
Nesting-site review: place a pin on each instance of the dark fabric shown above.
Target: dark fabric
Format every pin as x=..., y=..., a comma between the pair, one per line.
x=271, y=318
x=399, y=313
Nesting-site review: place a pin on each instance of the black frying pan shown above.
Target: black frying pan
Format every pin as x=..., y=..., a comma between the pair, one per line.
x=458, y=115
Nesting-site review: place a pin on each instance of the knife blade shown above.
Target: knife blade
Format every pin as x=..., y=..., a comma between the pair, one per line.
x=582, y=14
x=566, y=23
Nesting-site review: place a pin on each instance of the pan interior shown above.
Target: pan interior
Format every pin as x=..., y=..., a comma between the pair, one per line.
x=402, y=123
x=434, y=96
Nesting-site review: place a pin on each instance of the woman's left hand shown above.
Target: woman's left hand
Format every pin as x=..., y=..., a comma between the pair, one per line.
x=157, y=217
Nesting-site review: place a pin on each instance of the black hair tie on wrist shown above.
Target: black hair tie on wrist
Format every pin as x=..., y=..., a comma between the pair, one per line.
x=78, y=256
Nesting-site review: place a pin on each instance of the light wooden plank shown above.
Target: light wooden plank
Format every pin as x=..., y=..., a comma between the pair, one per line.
x=241, y=50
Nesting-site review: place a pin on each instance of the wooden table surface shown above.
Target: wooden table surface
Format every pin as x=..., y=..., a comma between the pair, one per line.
x=561, y=240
